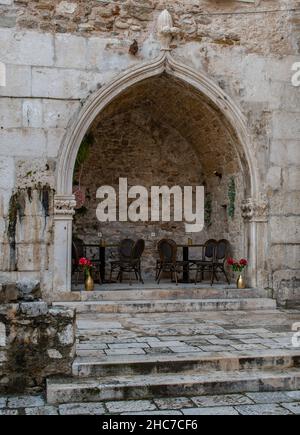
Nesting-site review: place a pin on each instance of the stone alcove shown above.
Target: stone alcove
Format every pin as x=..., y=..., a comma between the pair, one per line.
x=210, y=117
x=161, y=132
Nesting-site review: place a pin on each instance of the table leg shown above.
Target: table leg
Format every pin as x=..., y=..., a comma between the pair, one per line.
x=186, y=272
x=102, y=264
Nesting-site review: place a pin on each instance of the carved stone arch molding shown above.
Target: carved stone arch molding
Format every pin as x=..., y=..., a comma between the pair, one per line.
x=64, y=200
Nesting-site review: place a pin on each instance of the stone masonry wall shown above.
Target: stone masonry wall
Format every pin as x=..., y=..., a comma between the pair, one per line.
x=35, y=342
x=58, y=53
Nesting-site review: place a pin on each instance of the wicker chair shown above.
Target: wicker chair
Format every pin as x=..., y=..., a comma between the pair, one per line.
x=132, y=264
x=168, y=262
x=207, y=262
x=221, y=254
x=125, y=251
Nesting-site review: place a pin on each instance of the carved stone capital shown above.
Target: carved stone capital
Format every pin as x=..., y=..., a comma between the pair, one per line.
x=166, y=30
x=256, y=210
x=64, y=206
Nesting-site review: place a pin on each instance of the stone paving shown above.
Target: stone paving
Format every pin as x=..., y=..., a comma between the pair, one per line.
x=281, y=403
x=103, y=335
x=122, y=338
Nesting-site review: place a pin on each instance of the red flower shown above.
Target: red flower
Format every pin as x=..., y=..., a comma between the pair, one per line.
x=243, y=262
x=230, y=261
x=83, y=262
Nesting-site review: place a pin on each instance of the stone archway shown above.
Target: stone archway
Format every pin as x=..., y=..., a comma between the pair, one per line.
x=254, y=209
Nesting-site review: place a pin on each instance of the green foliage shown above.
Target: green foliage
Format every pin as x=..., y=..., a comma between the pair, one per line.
x=232, y=197
x=207, y=209
x=84, y=151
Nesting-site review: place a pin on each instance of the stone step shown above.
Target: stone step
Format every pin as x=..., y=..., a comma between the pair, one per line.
x=169, y=306
x=193, y=362
x=169, y=385
x=190, y=292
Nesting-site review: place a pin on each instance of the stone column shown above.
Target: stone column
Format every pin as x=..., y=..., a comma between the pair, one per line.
x=64, y=210
x=256, y=215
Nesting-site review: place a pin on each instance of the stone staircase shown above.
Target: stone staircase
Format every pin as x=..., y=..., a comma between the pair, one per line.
x=141, y=344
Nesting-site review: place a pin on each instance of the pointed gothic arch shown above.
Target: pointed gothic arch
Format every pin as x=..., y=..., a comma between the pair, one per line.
x=165, y=63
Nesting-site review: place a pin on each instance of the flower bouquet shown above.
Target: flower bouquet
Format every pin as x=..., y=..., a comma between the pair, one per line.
x=238, y=266
x=87, y=268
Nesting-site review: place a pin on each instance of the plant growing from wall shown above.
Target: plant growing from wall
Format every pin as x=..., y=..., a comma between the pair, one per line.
x=232, y=197
x=83, y=155
x=207, y=209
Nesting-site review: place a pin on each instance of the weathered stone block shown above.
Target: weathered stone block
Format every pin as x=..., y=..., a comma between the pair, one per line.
x=285, y=152
x=274, y=178
x=58, y=114
x=32, y=113
x=18, y=81
x=70, y=51
x=29, y=289
x=33, y=348
x=54, y=141
x=63, y=83
x=285, y=229
x=292, y=179
x=22, y=142
x=10, y=113
x=286, y=125
x=26, y=48
x=33, y=309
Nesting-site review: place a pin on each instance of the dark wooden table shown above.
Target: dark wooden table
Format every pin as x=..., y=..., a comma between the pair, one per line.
x=102, y=256
x=185, y=258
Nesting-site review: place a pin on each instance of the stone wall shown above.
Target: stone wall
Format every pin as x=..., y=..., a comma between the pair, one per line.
x=35, y=342
x=246, y=50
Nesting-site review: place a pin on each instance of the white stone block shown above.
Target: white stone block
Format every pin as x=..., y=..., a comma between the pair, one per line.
x=54, y=141
x=285, y=152
x=10, y=113
x=286, y=125
x=2, y=335
x=26, y=47
x=32, y=113
x=109, y=55
x=285, y=229
x=54, y=354
x=292, y=178
x=66, y=336
x=65, y=7
x=274, y=177
x=285, y=203
x=258, y=86
x=23, y=142
x=6, y=2
x=18, y=82
x=58, y=114
x=64, y=83
x=7, y=173
x=70, y=51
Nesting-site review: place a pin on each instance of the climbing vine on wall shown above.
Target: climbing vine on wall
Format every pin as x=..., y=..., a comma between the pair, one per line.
x=83, y=154
x=208, y=209
x=232, y=197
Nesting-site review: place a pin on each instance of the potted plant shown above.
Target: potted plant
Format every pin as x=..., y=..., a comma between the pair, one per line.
x=238, y=266
x=87, y=268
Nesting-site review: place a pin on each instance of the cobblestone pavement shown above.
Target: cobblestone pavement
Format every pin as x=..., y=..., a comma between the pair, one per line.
x=281, y=403
x=103, y=335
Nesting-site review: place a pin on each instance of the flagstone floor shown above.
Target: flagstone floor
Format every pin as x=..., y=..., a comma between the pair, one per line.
x=124, y=337
x=113, y=334
x=281, y=403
